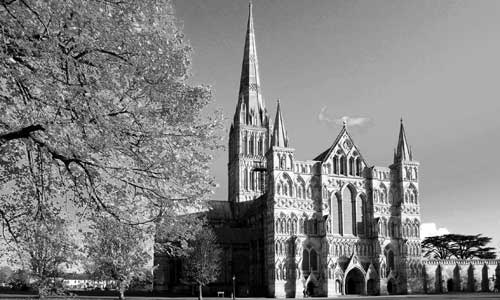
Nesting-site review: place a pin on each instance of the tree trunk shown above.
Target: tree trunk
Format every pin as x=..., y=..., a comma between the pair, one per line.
x=41, y=294
x=42, y=289
x=122, y=294
x=200, y=296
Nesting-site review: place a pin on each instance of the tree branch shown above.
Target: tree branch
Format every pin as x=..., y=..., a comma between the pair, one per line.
x=20, y=133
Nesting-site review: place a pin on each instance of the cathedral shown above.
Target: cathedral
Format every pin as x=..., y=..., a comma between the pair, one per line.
x=328, y=226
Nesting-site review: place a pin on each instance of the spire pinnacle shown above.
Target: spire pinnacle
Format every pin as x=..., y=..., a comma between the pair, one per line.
x=279, y=138
x=403, y=151
x=250, y=92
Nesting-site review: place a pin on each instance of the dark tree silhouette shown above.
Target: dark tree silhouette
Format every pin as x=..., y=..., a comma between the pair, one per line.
x=458, y=246
x=471, y=246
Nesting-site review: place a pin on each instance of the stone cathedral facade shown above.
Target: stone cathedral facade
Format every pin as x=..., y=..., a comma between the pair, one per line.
x=331, y=225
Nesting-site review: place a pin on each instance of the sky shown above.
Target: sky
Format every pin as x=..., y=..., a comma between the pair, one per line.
x=436, y=64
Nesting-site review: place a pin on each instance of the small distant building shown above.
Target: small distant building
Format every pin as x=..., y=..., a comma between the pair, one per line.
x=82, y=282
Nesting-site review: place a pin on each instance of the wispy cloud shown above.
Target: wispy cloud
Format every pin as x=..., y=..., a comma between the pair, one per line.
x=431, y=229
x=326, y=117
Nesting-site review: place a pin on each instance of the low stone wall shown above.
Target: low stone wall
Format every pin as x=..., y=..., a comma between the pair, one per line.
x=457, y=275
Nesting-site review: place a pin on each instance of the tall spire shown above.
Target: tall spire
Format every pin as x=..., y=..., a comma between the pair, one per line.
x=250, y=93
x=403, y=151
x=279, y=138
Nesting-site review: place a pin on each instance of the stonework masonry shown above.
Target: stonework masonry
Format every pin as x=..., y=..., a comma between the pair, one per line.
x=329, y=226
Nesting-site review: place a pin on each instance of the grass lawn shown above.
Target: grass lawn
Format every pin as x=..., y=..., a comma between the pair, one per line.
x=441, y=296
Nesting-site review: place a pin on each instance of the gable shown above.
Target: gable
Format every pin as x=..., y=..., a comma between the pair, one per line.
x=342, y=146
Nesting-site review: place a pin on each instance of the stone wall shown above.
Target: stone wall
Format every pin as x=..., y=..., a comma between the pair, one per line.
x=456, y=275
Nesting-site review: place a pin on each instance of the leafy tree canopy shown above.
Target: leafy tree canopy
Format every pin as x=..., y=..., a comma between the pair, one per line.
x=5, y=274
x=203, y=262
x=117, y=251
x=175, y=236
x=44, y=249
x=458, y=246
x=97, y=92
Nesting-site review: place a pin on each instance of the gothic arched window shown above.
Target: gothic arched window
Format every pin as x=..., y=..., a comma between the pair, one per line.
x=313, y=260
x=282, y=162
x=306, y=266
x=335, y=164
x=390, y=261
x=343, y=165
x=245, y=178
x=351, y=166
x=309, y=260
x=260, y=148
x=348, y=211
x=251, y=145
x=252, y=181
x=358, y=166
x=301, y=189
x=383, y=195
x=245, y=145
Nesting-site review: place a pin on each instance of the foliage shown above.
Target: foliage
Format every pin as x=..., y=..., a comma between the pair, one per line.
x=458, y=246
x=436, y=247
x=143, y=281
x=116, y=251
x=5, y=273
x=203, y=263
x=97, y=93
x=35, y=231
x=19, y=280
x=45, y=248
x=174, y=237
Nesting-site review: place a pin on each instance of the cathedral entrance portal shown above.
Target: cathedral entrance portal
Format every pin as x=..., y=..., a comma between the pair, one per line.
x=310, y=289
x=391, y=288
x=354, y=282
x=371, y=288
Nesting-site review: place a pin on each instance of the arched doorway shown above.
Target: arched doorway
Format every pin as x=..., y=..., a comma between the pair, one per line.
x=371, y=288
x=439, y=280
x=449, y=285
x=310, y=289
x=354, y=283
x=391, y=287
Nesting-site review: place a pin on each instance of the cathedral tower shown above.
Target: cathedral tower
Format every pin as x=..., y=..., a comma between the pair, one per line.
x=249, y=133
x=405, y=225
x=281, y=227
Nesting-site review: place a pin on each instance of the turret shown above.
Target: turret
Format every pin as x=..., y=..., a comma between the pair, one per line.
x=279, y=136
x=280, y=156
x=402, y=151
